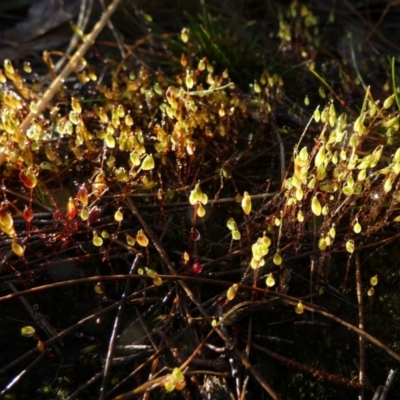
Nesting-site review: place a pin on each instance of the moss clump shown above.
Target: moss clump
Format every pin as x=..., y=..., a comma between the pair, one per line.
x=215, y=216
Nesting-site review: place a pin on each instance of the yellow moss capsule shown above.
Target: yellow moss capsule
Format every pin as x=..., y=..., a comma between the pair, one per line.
x=17, y=249
x=374, y=280
x=320, y=157
x=322, y=244
x=6, y=220
x=157, y=281
x=202, y=64
x=141, y=238
x=148, y=163
x=387, y=186
x=203, y=198
x=110, y=141
x=246, y=203
x=83, y=195
x=99, y=288
x=231, y=293
x=255, y=262
x=134, y=157
x=189, y=81
x=201, y=212
x=316, y=206
x=270, y=281
x=332, y=115
x=75, y=105
x=193, y=197
x=299, y=309
x=277, y=260
x=317, y=115
x=236, y=235
x=371, y=292
x=118, y=216
x=388, y=102
x=97, y=240
x=130, y=240
x=84, y=214
x=357, y=227
x=350, y=246
x=185, y=35
x=347, y=190
x=28, y=331
x=299, y=193
x=8, y=67
x=231, y=224
x=169, y=384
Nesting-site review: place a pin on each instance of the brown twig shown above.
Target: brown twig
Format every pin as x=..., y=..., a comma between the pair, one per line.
x=111, y=345
x=70, y=67
x=361, y=339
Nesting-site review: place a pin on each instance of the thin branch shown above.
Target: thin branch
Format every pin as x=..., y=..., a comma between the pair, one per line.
x=361, y=338
x=111, y=346
x=70, y=67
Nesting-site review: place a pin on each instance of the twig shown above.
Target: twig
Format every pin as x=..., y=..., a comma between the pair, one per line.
x=318, y=373
x=38, y=318
x=115, y=34
x=84, y=13
x=70, y=67
x=388, y=383
x=111, y=346
x=361, y=339
x=23, y=373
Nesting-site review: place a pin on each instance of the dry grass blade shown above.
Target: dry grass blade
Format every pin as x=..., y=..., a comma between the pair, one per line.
x=70, y=67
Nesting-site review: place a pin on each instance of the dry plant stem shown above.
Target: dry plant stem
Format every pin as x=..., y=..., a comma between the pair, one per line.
x=111, y=346
x=189, y=293
x=361, y=339
x=381, y=18
x=39, y=319
x=370, y=25
x=115, y=34
x=382, y=392
x=148, y=386
x=84, y=13
x=306, y=368
x=138, y=369
x=85, y=386
x=23, y=373
x=70, y=67
x=245, y=383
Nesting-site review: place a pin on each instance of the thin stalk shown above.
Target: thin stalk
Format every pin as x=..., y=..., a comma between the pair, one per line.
x=361, y=339
x=111, y=345
x=70, y=67
x=394, y=83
